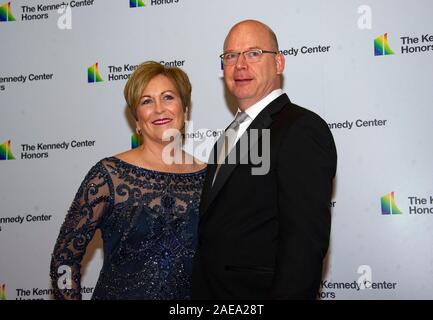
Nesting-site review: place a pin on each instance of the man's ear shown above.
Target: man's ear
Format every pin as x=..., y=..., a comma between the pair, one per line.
x=281, y=63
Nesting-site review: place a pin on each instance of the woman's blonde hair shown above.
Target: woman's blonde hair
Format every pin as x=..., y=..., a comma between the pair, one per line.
x=148, y=70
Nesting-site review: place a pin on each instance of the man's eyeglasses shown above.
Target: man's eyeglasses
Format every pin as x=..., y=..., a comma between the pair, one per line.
x=253, y=55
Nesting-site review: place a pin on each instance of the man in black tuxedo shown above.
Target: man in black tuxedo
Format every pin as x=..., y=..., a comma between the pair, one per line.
x=264, y=236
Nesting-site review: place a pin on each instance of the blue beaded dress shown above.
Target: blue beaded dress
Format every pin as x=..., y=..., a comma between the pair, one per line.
x=148, y=221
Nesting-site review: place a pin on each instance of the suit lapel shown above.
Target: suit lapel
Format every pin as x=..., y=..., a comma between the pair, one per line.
x=207, y=186
x=262, y=121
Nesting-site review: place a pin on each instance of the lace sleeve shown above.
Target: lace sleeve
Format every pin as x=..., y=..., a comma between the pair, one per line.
x=90, y=203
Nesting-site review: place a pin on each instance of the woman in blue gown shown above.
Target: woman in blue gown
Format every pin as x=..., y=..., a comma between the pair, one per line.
x=145, y=202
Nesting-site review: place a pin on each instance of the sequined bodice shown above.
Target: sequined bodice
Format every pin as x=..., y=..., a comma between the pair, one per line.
x=148, y=222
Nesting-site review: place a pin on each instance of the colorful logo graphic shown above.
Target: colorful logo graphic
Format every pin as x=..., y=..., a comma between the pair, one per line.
x=6, y=151
x=136, y=141
x=6, y=13
x=388, y=204
x=3, y=292
x=136, y=3
x=93, y=74
x=381, y=46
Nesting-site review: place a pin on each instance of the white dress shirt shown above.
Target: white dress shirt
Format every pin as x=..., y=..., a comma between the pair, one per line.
x=255, y=109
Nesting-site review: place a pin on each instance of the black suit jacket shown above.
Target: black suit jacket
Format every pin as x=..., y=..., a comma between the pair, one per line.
x=265, y=236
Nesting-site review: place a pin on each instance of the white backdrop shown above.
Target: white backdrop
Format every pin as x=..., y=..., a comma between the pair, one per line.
x=378, y=107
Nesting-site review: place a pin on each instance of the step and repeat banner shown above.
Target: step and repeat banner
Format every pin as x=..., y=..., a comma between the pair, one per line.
x=365, y=66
